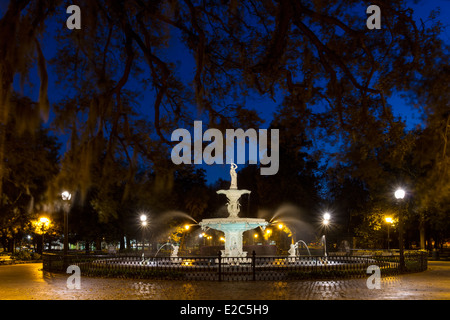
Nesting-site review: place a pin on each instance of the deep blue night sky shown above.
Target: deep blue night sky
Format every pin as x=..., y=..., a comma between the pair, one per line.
x=264, y=105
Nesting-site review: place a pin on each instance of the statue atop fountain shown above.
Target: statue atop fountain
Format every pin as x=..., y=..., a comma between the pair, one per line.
x=233, y=226
x=233, y=175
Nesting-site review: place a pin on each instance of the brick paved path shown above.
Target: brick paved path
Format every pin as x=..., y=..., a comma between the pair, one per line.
x=29, y=282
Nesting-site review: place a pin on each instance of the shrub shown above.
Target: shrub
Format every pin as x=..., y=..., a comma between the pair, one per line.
x=22, y=255
x=35, y=256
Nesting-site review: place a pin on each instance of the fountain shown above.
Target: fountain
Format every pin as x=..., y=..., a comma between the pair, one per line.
x=324, y=242
x=165, y=244
x=173, y=255
x=233, y=226
x=293, y=251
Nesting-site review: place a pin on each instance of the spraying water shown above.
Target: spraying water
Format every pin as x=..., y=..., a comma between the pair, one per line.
x=174, y=214
x=324, y=242
x=304, y=243
x=285, y=210
x=165, y=244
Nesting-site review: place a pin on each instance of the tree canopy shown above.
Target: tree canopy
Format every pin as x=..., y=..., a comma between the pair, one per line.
x=333, y=74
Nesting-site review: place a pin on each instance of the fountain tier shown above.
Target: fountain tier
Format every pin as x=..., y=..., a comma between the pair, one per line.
x=233, y=205
x=233, y=229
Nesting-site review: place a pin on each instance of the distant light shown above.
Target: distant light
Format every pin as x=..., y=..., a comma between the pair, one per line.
x=255, y=235
x=200, y=235
x=44, y=220
x=399, y=194
x=143, y=217
x=327, y=216
x=268, y=231
x=65, y=195
x=187, y=227
x=144, y=223
x=222, y=239
x=326, y=222
x=388, y=219
x=280, y=226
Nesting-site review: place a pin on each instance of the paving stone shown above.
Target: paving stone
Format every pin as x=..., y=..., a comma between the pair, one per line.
x=29, y=282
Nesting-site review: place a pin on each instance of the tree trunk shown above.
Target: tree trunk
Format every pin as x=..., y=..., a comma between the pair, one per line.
x=122, y=243
x=422, y=232
x=128, y=242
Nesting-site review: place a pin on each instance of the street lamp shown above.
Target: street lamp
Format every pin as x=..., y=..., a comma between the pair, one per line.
x=66, y=196
x=44, y=223
x=325, y=223
x=326, y=219
x=389, y=221
x=280, y=236
x=399, y=195
x=143, y=219
x=268, y=234
x=184, y=241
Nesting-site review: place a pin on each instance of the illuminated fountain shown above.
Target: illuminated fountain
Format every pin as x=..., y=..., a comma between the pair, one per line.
x=233, y=259
x=233, y=226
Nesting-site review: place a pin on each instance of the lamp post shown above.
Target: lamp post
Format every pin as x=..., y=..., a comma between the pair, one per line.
x=399, y=195
x=184, y=241
x=280, y=236
x=389, y=222
x=143, y=219
x=325, y=223
x=66, y=196
x=44, y=222
x=268, y=234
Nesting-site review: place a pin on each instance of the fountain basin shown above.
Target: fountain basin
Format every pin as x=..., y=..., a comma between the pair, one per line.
x=233, y=227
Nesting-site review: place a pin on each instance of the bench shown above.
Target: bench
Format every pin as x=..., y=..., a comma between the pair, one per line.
x=6, y=260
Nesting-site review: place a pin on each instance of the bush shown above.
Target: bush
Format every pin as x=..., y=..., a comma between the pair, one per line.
x=22, y=255
x=36, y=256
x=26, y=256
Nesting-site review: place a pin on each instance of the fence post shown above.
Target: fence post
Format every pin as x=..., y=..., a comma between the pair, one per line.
x=220, y=265
x=254, y=265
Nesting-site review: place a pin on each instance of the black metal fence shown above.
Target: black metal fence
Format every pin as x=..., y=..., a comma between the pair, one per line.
x=219, y=268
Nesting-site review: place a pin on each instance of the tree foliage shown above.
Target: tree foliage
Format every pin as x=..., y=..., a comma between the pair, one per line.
x=30, y=163
x=334, y=76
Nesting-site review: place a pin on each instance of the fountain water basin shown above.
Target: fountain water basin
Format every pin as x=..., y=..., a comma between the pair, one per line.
x=233, y=228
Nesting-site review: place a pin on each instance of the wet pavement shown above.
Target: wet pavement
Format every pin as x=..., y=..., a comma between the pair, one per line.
x=29, y=282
